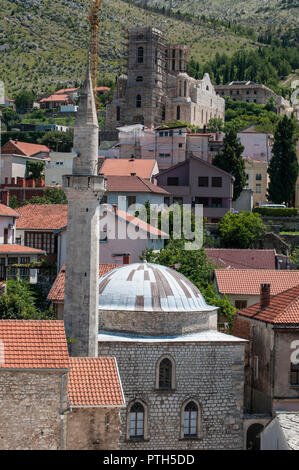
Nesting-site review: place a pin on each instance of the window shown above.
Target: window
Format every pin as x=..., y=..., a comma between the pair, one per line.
x=12, y=272
x=202, y=200
x=294, y=374
x=137, y=421
x=165, y=374
x=216, y=202
x=138, y=101
x=191, y=420
x=24, y=272
x=216, y=182
x=180, y=146
x=131, y=200
x=140, y=55
x=18, y=240
x=178, y=113
x=178, y=200
x=239, y=304
x=258, y=188
x=185, y=88
x=203, y=181
x=40, y=240
x=117, y=113
x=172, y=181
x=258, y=176
x=167, y=201
x=247, y=176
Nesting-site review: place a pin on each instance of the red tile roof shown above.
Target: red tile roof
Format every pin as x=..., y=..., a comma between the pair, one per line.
x=283, y=308
x=6, y=211
x=125, y=166
x=57, y=290
x=28, y=149
x=138, y=223
x=37, y=344
x=94, y=382
x=42, y=216
x=132, y=184
x=242, y=259
x=65, y=91
x=248, y=281
x=55, y=97
x=20, y=249
x=103, y=88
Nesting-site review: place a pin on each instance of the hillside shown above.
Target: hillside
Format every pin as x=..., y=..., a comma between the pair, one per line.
x=45, y=42
x=252, y=13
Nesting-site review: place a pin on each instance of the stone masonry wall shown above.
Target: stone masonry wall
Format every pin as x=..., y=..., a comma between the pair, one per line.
x=212, y=373
x=93, y=429
x=30, y=409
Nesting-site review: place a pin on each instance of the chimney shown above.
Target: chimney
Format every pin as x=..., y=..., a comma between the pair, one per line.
x=5, y=197
x=264, y=296
x=126, y=258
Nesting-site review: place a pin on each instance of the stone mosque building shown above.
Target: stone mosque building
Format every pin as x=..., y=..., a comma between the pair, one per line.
x=182, y=379
x=157, y=88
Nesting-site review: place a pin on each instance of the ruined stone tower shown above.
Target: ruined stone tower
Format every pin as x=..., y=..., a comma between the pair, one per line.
x=84, y=189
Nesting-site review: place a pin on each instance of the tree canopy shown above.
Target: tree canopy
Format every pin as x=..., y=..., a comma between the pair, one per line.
x=240, y=230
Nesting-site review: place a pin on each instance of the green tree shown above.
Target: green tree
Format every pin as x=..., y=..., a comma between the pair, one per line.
x=19, y=303
x=34, y=169
x=215, y=124
x=240, y=230
x=58, y=141
x=24, y=99
x=51, y=196
x=283, y=168
x=9, y=117
x=230, y=160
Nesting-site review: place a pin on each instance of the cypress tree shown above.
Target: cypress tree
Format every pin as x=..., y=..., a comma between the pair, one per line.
x=230, y=160
x=283, y=168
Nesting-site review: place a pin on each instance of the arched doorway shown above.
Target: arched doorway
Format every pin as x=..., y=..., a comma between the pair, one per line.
x=253, y=436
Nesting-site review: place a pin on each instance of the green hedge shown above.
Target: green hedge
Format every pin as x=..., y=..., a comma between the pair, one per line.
x=279, y=212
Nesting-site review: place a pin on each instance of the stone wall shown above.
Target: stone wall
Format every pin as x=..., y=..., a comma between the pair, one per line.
x=30, y=404
x=210, y=373
x=156, y=323
x=93, y=429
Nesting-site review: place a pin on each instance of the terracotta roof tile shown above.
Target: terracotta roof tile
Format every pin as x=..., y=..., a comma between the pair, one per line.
x=57, y=290
x=248, y=281
x=6, y=211
x=20, y=249
x=125, y=166
x=30, y=149
x=242, y=259
x=38, y=344
x=55, y=97
x=283, y=308
x=132, y=184
x=42, y=216
x=94, y=382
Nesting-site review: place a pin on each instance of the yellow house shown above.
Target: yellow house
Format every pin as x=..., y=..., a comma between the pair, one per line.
x=257, y=179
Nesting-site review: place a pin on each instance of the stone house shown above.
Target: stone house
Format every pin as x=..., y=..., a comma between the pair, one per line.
x=282, y=433
x=242, y=286
x=253, y=93
x=271, y=327
x=196, y=181
x=55, y=101
x=182, y=379
x=157, y=88
x=62, y=402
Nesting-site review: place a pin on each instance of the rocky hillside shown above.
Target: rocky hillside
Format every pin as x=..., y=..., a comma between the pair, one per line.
x=45, y=42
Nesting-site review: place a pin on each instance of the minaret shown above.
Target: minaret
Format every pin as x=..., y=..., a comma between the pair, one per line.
x=84, y=190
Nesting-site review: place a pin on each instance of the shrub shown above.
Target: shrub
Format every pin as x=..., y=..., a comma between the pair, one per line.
x=276, y=212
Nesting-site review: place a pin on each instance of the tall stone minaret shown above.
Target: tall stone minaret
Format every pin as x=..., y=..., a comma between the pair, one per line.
x=84, y=190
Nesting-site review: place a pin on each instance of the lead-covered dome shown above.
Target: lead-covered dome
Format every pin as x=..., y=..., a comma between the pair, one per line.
x=150, y=288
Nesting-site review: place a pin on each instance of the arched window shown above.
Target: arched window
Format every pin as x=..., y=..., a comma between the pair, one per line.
x=185, y=88
x=165, y=373
x=138, y=101
x=137, y=421
x=118, y=113
x=178, y=113
x=191, y=419
x=140, y=55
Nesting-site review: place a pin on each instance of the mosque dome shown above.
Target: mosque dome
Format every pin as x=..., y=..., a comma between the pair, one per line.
x=149, y=287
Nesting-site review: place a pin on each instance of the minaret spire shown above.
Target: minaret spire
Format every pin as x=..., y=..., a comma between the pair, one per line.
x=84, y=190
